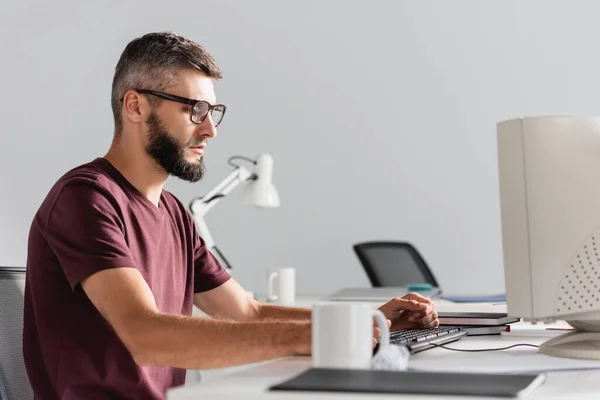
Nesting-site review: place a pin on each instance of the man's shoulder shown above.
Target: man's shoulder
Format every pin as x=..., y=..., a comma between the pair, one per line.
x=95, y=179
x=92, y=179
x=83, y=184
x=93, y=173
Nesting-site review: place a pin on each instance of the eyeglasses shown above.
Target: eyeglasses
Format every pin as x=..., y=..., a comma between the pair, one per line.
x=200, y=108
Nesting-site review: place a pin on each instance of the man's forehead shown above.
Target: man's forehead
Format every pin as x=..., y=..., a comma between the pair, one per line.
x=195, y=85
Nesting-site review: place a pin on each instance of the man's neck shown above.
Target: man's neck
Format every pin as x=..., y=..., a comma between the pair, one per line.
x=140, y=170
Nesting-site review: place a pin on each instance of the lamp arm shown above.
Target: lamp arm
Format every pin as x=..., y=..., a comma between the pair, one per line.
x=199, y=206
x=208, y=239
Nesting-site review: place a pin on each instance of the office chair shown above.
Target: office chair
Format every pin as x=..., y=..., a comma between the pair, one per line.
x=13, y=376
x=393, y=264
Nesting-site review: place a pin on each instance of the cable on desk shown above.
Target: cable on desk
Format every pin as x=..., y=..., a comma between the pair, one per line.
x=478, y=350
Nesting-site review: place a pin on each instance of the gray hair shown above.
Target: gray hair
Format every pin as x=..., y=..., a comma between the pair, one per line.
x=153, y=62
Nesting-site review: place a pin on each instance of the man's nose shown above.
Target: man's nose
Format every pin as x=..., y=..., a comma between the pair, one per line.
x=207, y=127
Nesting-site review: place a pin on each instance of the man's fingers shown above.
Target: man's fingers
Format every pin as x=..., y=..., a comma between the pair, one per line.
x=417, y=297
x=376, y=332
x=434, y=324
x=416, y=315
x=433, y=315
x=427, y=319
x=410, y=305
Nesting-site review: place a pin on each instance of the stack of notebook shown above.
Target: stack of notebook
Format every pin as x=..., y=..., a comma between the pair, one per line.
x=477, y=323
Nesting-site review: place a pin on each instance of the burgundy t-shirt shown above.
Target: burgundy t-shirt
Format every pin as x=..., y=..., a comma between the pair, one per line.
x=94, y=219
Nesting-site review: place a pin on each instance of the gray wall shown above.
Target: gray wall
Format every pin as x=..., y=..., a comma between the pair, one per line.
x=380, y=116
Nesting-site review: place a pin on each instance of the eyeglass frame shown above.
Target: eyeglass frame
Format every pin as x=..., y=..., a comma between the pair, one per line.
x=185, y=100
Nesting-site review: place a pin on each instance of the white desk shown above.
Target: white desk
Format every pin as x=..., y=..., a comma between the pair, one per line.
x=252, y=382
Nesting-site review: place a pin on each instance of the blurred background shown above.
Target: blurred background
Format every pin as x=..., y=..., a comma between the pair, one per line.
x=380, y=116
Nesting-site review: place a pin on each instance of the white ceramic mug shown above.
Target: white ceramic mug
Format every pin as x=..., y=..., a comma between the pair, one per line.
x=284, y=292
x=342, y=334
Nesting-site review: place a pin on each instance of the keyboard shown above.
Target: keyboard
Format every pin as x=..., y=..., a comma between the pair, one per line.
x=420, y=339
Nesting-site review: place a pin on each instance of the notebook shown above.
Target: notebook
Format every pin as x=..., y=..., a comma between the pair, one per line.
x=412, y=382
x=477, y=330
x=475, y=318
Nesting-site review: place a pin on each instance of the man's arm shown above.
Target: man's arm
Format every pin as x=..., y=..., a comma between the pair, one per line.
x=273, y=312
x=123, y=297
x=230, y=301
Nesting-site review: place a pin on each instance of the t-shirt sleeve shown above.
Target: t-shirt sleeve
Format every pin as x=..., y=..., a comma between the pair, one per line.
x=208, y=271
x=86, y=234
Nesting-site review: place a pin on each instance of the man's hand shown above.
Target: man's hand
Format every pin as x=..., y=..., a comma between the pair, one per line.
x=377, y=332
x=410, y=311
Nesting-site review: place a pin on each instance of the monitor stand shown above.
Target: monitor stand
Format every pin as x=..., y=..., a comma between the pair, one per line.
x=580, y=345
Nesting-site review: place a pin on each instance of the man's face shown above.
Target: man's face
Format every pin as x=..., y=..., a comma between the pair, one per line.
x=174, y=141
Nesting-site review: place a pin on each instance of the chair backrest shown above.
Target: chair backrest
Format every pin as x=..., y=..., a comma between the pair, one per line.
x=13, y=377
x=393, y=264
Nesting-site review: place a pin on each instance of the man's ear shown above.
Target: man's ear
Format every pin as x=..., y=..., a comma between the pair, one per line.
x=134, y=106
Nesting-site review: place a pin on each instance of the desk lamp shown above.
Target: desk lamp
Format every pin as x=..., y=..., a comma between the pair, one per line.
x=258, y=191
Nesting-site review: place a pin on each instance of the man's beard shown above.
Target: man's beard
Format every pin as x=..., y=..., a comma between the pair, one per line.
x=169, y=154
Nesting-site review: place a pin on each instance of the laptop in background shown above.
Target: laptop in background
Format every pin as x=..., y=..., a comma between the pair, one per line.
x=377, y=294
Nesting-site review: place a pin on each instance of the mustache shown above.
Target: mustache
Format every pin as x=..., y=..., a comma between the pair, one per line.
x=198, y=142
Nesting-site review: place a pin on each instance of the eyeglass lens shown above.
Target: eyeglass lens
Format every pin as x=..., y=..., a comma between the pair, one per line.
x=201, y=109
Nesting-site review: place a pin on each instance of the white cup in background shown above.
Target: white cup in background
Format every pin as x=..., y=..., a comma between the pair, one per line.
x=342, y=334
x=282, y=286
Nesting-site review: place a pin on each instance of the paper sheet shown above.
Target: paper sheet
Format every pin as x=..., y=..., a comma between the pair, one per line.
x=505, y=361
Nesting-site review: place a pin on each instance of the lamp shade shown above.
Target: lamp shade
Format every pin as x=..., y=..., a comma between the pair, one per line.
x=261, y=192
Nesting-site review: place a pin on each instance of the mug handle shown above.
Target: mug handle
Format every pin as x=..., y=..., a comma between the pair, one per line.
x=272, y=296
x=382, y=323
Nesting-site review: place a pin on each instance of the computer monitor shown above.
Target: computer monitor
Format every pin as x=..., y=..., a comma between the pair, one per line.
x=549, y=180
